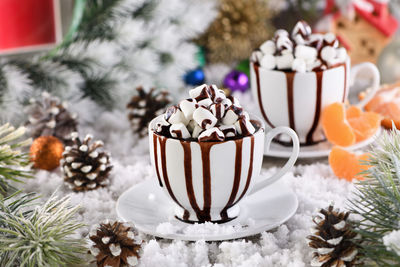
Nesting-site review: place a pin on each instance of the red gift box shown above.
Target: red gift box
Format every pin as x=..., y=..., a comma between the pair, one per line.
x=28, y=25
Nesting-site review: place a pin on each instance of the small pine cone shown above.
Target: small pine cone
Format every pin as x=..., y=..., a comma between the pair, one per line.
x=48, y=116
x=115, y=244
x=84, y=167
x=144, y=107
x=333, y=240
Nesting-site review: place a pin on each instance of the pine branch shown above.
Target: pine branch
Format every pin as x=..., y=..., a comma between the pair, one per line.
x=12, y=159
x=38, y=235
x=377, y=200
x=97, y=20
x=99, y=90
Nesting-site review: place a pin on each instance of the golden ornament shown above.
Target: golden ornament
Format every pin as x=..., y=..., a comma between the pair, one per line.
x=46, y=152
x=241, y=27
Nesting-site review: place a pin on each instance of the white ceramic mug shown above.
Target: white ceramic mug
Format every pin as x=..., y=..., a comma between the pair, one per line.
x=297, y=99
x=207, y=179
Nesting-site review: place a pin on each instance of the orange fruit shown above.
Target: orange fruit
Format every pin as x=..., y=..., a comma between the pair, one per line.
x=335, y=125
x=364, y=124
x=346, y=127
x=347, y=165
x=387, y=103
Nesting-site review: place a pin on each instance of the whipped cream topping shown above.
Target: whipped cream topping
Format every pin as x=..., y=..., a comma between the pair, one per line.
x=300, y=51
x=208, y=115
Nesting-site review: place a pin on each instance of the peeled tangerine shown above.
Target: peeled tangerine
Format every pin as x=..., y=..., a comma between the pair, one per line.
x=345, y=127
x=387, y=103
x=347, y=165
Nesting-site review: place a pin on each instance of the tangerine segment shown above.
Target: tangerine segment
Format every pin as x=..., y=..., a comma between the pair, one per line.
x=347, y=165
x=365, y=125
x=335, y=125
x=353, y=112
x=387, y=103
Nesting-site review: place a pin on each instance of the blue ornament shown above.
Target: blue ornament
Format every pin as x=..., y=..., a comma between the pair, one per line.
x=195, y=77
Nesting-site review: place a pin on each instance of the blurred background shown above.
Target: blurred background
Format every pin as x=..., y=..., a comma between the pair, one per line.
x=95, y=53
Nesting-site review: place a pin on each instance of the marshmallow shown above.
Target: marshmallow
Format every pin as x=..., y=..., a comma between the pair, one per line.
x=234, y=100
x=232, y=115
x=314, y=65
x=279, y=33
x=162, y=127
x=301, y=28
x=188, y=106
x=244, y=127
x=228, y=130
x=268, y=47
x=226, y=102
x=284, y=61
x=204, y=118
x=218, y=110
x=341, y=54
x=212, y=134
x=197, y=131
x=256, y=56
x=205, y=102
x=299, y=40
x=299, y=65
x=284, y=43
x=216, y=94
x=331, y=40
x=179, y=130
x=306, y=52
x=315, y=40
x=174, y=115
x=191, y=125
x=268, y=62
x=328, y=53
x=199, y=93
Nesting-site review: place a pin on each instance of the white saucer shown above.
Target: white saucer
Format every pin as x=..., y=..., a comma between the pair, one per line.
x=315, y=151
x=152, y=212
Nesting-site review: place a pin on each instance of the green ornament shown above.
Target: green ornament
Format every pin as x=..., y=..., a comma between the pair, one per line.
x=244, y=66
x=201, y=56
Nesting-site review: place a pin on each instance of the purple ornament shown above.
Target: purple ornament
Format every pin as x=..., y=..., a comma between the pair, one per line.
x=236, y=81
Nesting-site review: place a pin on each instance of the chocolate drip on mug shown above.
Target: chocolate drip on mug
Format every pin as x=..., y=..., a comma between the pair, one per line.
x=250, y=171
x=290, y=102
x=205, y=157
x=155, y=141
x=163, y=142
x=257, y=72
x=317, y=113
x=189, y=180
x=236, y=180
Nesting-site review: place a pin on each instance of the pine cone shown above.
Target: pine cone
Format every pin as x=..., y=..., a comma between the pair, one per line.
x=85, y=168
x=333, y=240
x=48, y=116
x=115, y=244
x=144, y=107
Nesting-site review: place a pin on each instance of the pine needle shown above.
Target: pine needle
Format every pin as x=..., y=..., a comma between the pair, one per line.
x=376, y=200
x=38, y=235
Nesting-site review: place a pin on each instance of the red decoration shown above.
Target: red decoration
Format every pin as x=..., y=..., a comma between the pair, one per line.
x=377, y=14
x=28, y=24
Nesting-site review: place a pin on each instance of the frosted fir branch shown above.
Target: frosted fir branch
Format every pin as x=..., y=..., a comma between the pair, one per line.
x=376, y=200
x=39, y=235
x=12, y=158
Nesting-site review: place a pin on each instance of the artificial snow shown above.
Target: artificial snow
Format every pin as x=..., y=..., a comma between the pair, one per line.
x=315, y=186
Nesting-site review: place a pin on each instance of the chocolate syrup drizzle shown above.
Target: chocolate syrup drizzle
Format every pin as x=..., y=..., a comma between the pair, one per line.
x=204, y=215
x=257, y=72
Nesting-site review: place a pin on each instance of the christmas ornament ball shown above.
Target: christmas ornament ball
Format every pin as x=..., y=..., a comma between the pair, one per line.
x=195, y=77
x=236, y=81
x=46, y=152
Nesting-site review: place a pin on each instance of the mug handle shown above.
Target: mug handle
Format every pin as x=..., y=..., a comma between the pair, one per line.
x=374, y=72
x=289, y=164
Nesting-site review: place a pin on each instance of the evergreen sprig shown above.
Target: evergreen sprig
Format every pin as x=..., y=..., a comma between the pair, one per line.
x=12, y=158
x=39, y=235
x=377, y=200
